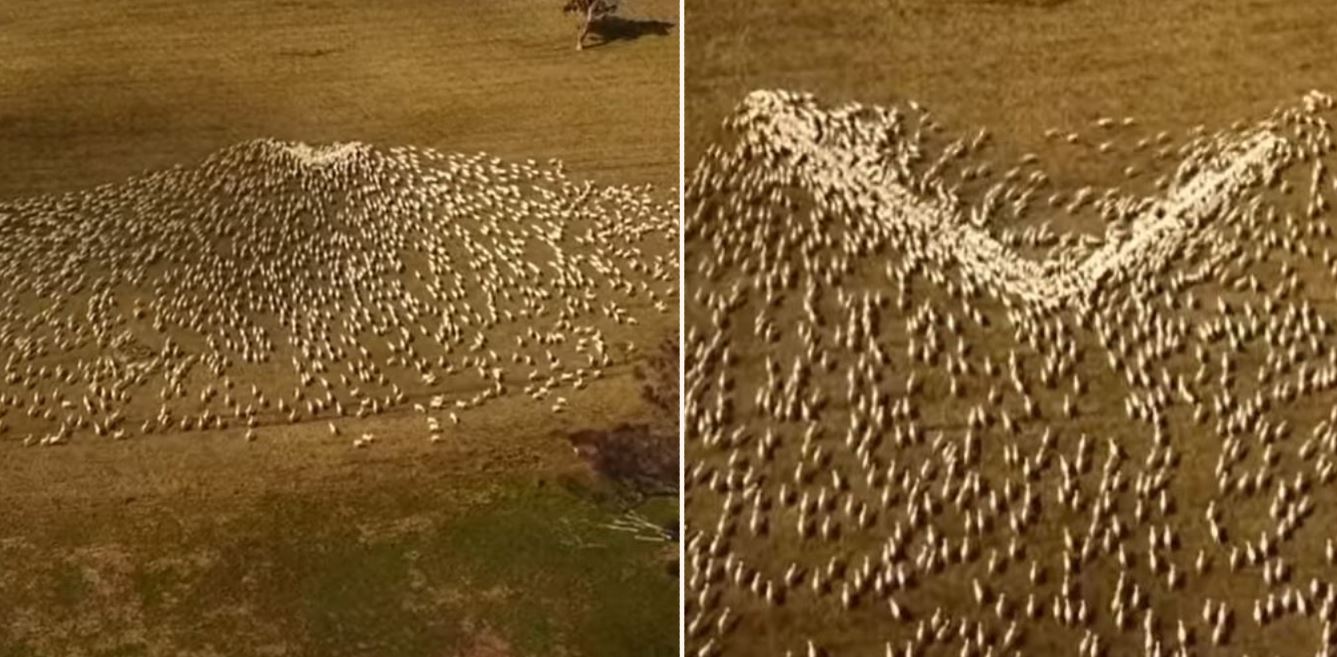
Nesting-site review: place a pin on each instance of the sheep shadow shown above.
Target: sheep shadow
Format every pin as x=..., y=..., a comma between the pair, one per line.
x=611, y=29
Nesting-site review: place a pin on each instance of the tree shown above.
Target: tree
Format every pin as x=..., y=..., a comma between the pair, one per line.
x=590, y=11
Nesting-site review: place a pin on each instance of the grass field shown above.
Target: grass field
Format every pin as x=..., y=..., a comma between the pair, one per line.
x=1016, y=69
x=1013, y=66
x=501, y=542
x=495, y=544
x=523, y=568
x=92, y=92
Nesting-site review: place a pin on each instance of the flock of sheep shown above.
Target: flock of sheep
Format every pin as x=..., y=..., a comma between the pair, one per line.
x=916, y=420
x=919, y=420
x=276, y=284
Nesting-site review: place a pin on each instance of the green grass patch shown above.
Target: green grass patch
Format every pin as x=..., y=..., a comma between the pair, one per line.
x=595, y=590
x=528, y=570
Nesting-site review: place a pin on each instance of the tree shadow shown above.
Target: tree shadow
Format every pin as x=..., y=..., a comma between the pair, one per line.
x=611, y=29
x=637, y=456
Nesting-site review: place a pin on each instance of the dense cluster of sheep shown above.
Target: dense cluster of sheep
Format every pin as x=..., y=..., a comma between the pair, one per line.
x=277, y=283
x=908, y=434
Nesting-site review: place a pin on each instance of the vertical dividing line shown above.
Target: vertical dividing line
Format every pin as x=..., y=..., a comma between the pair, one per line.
x=682, y=326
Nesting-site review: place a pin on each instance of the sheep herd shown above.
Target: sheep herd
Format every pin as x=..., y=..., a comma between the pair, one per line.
x=277, y=284
x=919, y=420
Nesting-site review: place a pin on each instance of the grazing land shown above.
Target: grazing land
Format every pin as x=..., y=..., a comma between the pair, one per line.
x=223, y=434
x=1009, y=329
